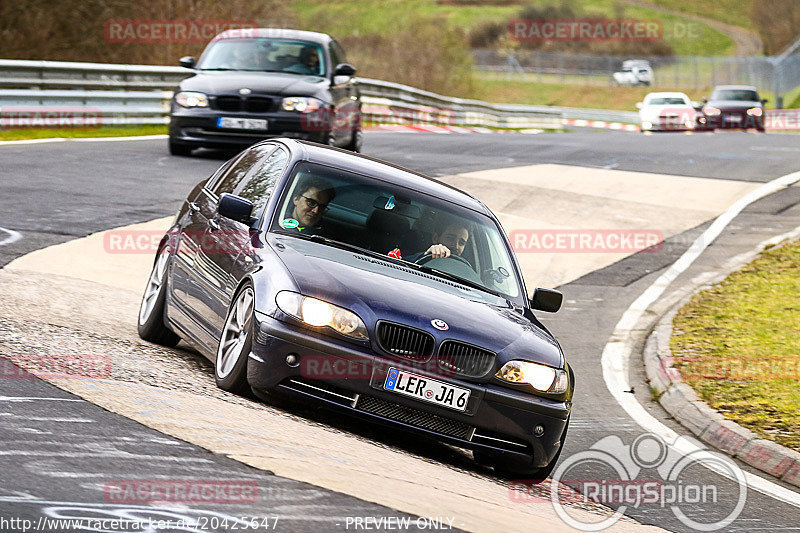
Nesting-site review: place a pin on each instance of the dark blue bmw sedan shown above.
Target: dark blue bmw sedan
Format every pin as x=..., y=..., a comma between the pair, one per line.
x=307, y=271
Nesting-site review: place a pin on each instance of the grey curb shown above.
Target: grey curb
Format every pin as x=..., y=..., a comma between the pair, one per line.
x=680, y=400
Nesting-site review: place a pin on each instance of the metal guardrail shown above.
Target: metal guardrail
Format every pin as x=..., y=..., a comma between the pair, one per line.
x=140, y=94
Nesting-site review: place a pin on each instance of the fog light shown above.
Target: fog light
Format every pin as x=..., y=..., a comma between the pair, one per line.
x=538, y=430
x=291, y=359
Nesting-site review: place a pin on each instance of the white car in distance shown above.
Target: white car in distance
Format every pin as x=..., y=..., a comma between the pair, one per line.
x=667, y=112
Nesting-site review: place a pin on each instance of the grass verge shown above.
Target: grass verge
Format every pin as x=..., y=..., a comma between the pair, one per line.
x=104, y=131
x=737, y=345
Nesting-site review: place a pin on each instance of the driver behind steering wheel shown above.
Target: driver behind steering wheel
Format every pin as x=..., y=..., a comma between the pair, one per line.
x=451, y=240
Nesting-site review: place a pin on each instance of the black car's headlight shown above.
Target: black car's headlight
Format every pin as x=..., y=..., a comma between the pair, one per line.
x=711, y=110
x=191, y=99
x=319, y=313
x=301, y=103
x=755, y=111
x=543, y=378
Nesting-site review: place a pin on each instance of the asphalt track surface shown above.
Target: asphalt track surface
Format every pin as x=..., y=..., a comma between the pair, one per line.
x=57, y=192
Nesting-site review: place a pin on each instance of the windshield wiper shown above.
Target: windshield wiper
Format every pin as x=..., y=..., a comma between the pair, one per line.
x=457, y=279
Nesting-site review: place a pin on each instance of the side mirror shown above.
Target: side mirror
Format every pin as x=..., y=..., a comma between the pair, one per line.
x=548, y=300
x=764, y=100
x=705, y=100
x=344, y=69
x=235, y=208
x=697, y=105
x=639, y=105
x=187, y=62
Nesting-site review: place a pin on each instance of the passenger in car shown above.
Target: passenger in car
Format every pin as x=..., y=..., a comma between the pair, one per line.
x=309, y=203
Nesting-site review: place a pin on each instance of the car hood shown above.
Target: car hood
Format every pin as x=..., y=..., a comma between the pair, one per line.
x=733, y=104
x=382, y=290
x=227, y=82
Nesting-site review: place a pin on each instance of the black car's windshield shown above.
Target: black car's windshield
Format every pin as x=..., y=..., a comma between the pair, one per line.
x=265, y=55
x=397, y=222
x=744, y=95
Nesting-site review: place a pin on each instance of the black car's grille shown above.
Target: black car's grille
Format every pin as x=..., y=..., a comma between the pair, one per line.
x=404, y=341
x=258, y=104
x=415, y=417
x=250, y=104
x=465, y=359
x=228, y=103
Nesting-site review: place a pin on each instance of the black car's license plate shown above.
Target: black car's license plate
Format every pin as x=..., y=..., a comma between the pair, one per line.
x=426, y=389
x=242, y=123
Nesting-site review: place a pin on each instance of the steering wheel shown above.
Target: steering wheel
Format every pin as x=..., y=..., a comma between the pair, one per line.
x=428, y=257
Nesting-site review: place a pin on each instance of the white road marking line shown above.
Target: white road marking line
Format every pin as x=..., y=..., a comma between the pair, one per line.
x=86, y=139
x=616, y=354
x=32, y=398
x=13, y=236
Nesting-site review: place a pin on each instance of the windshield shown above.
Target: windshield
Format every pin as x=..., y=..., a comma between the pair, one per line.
x=397, y=222
x=735, y=94
x=271, y=55
x=672, y=100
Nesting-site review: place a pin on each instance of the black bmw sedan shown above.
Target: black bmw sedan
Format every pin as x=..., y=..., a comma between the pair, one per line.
x=307, y=271
x=733, y=107
x=253, y=84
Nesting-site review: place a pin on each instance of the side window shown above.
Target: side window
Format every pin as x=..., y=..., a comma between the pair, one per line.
x=228, y=181
x=260, y=185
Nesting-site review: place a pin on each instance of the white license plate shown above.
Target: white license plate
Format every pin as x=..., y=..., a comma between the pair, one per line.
x=733, y=118
x=242, y=123
x=426, y=389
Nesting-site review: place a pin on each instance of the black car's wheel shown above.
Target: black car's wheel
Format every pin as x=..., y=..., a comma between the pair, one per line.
x=356, y=141
x=176, y=148
x=230, y=369
x=511, y=468
x=151, y=324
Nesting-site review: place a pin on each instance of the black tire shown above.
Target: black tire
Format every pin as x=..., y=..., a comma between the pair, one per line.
x=176, y=148
x=230, y=367
x=511, y=469
x=356, y=141
x=151, y=324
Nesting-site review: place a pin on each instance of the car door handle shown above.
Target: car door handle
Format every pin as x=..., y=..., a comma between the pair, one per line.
x=214, y=224
x=193, y=207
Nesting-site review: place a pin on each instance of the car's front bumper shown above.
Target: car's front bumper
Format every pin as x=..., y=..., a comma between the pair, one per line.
x=198, y=127
x=351, y=378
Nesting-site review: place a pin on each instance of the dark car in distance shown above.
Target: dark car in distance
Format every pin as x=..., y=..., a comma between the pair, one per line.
x=253, y=84
x=308, y=271
x=733, y=107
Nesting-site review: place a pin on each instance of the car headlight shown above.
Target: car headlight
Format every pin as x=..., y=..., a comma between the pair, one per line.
x=301, y=104
x=191, y=99
x=710, y=110
x=755, y=111
x=541, y=377
x=319, y=314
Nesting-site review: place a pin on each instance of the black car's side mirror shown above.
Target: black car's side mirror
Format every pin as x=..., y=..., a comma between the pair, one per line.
x=344, y=69
x=548, y=300
x=187, y=62
x=705, y=100
x=764, y=101
x=235, y=208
